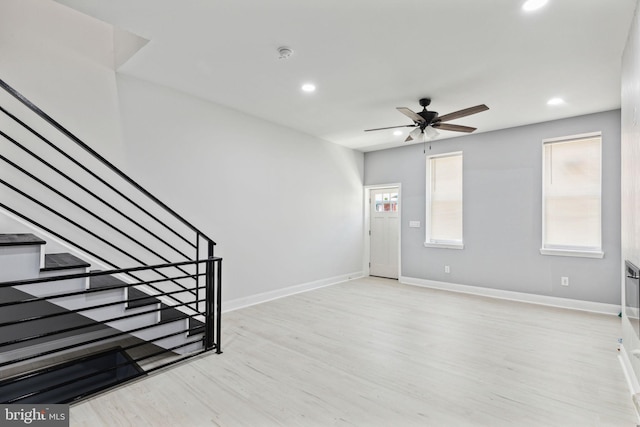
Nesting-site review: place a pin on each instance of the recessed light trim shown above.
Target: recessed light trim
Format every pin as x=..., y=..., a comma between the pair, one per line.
x=531, y=5
x=555, y=101
x=397, y=132
x=308, y=87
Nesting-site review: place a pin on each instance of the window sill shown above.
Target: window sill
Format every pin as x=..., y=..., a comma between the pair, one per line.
x=444, y=245
x=572, y=253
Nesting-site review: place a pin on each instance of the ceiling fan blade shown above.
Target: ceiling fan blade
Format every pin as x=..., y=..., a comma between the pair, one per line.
x=391, y=127
x=412, y=115
x=455, y=128
x=463, y=113
x=409, y=139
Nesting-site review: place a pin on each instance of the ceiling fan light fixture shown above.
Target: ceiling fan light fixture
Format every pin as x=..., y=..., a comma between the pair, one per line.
x=532, y=5
x=431, y=132
x=415, y=134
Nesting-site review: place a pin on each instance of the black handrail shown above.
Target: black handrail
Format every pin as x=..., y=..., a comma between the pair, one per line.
x=84, y=188
x=211, y=326
x=81, y=248
x=104, y=161
x=89, y=308
x=198, y=234
x=92, y=291
x=88, y=325
x=200, y=300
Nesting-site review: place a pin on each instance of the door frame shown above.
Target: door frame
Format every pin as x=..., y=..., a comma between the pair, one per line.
x=367, y=225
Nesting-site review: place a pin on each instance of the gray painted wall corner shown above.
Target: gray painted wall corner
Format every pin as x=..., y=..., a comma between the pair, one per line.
x=502, y=212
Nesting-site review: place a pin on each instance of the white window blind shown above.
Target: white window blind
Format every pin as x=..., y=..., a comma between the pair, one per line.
x=444, y=199
x=572, y=194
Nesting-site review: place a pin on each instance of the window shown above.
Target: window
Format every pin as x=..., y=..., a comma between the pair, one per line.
x=444, y=201
x=571, y=196
x=387, y=202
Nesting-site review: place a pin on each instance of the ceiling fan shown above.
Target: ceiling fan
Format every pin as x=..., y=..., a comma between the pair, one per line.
x=426, y=122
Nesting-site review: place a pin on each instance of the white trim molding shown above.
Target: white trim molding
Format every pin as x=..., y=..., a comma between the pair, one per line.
x=366, y=253
x=632, y=381
x=238, y=303
x=443, y=245
x=573, y=253
x=594, y=307
x=434, y=243
x=573, y=137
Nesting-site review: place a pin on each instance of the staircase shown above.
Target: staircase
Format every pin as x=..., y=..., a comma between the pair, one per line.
x=130, y=286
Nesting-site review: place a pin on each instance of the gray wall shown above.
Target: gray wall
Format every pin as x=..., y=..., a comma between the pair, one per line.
x=502, y=212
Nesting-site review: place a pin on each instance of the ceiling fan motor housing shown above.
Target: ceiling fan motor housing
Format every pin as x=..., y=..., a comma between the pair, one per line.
x=428, y=116
x=424, y=102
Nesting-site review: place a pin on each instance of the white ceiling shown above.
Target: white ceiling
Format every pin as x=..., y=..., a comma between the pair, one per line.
x=368, y=57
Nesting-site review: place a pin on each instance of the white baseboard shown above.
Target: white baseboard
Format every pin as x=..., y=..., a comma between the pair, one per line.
x=238, y=303
x=632, y=381
x=595, y=307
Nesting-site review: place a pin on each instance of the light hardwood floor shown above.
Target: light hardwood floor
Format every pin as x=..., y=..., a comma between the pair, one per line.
x=372, y=352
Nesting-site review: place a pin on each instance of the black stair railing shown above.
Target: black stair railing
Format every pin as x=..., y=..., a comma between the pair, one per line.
x=11, y=390
x=127, y=250
x=63, y=187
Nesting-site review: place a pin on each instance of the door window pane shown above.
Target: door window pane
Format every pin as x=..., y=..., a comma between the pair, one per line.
x=378, y=201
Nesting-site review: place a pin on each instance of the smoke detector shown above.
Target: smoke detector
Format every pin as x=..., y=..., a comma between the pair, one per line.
x=284, y=52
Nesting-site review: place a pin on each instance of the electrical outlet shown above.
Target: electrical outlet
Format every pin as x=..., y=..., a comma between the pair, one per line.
x=447, y=269
x=564, y=281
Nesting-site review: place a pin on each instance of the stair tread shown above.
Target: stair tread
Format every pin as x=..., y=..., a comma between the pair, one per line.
x=135, y=293
x=20, y=239
x=63, y=261
x=106, y=281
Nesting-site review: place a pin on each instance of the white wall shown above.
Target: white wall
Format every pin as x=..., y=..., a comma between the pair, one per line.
x=503, y=212
x=285, y=208
x=62, y=60
x=630, y=171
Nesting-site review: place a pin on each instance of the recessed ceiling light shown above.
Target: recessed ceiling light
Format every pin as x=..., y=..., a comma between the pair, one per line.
x=397, y=132
x=309, y=87
x=531, y=5
x=555, y=101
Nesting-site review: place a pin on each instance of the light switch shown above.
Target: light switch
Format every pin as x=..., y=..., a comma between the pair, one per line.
x=414, y=224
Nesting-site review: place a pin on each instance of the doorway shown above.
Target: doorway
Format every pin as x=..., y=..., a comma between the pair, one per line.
x=383, y=209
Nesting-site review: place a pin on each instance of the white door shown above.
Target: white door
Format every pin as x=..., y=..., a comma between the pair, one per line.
x=385, y=214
